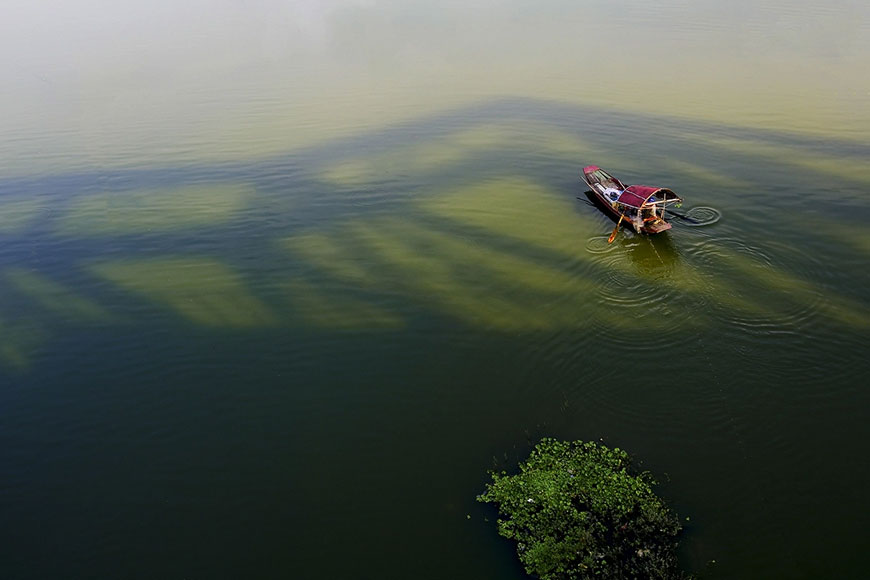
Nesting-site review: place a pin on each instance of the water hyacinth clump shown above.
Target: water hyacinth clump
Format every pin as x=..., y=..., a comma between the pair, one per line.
x=576, y=510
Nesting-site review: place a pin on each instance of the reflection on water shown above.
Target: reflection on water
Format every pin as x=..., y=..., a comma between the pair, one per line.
x=655, y=257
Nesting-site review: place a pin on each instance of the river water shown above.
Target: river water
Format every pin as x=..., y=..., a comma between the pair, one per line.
x=281, y=282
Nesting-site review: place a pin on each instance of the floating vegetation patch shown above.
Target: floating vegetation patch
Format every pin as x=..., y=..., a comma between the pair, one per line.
x=581, y=510
x=202, y=290
x=55, y=297
x=339, y=312
x=159, y=210
x=17, y=213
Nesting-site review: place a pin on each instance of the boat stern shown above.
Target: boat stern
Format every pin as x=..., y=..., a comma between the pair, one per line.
x=657, y=227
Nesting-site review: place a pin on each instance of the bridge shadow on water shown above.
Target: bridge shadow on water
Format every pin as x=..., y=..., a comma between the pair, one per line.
x=469, y=214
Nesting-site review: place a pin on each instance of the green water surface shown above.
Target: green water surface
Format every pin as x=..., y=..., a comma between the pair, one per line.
x=280, y=284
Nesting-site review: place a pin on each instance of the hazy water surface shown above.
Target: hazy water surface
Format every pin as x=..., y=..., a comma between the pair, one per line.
x=281, y=282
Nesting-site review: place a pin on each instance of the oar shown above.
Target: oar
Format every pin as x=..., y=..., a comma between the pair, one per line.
x=616, y=229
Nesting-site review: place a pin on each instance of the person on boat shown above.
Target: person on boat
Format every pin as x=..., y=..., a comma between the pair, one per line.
x=637, y=221
x=651, y=217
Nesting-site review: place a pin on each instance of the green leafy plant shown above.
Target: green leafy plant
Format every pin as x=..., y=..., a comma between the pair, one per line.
x=576, y=510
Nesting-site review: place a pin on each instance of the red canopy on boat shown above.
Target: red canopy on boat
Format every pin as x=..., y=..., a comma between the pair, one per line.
x=633, y=196
x=636, y=195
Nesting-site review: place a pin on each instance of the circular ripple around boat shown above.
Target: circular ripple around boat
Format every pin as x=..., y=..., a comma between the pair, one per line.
x=702, y=216
x=637, y=298
x=623, y=291
x=767, y=293
x=639, y=274
x=599, y=245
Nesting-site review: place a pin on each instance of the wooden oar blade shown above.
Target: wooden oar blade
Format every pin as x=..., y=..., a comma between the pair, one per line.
x=615, y=230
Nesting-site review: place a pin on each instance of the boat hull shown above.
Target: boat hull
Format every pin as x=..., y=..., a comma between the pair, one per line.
x=614, y=199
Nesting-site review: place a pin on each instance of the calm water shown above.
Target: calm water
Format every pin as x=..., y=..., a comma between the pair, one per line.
x=281, y=283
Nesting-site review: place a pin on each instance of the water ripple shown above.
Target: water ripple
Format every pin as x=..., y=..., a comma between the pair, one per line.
x=702, y=216
x=598, y=245
x=763, y=292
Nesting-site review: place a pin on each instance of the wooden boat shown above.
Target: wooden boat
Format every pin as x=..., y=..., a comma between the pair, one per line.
x=639, y=207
